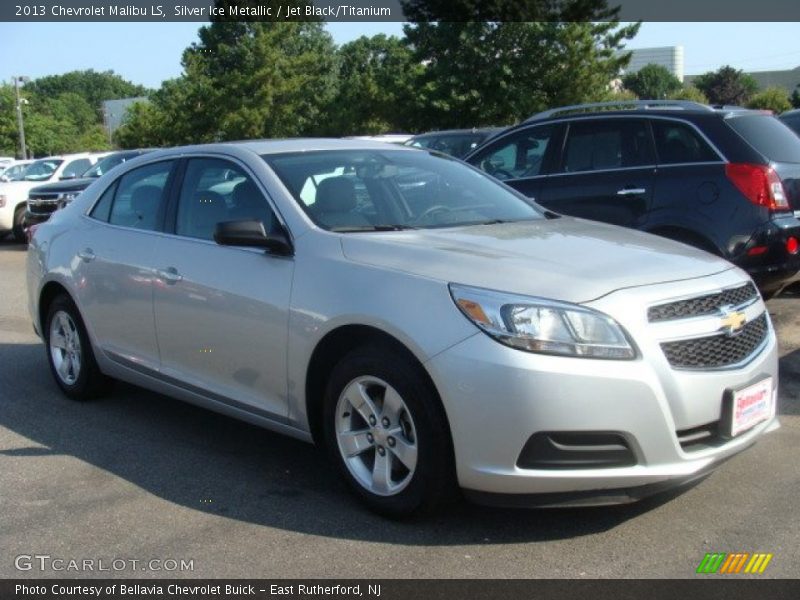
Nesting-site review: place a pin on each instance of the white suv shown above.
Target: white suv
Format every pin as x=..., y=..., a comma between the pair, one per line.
x=14, y=194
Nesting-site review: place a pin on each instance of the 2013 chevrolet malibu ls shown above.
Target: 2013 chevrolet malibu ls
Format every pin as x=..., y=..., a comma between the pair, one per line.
x=427, y=324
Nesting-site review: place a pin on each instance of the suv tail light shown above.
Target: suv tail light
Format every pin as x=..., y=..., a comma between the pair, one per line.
x=759, y=183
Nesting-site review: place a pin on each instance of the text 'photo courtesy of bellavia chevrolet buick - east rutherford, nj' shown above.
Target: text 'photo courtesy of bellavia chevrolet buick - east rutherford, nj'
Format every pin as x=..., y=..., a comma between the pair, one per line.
x=569, y=311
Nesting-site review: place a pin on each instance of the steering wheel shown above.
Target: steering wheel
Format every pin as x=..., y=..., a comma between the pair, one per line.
x=432, y=210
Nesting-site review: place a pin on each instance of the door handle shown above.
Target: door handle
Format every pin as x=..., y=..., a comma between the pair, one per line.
x=170, y=275
x=631, y=192
x=87, y=255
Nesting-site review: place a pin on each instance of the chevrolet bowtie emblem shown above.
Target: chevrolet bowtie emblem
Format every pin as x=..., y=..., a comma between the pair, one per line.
x=732, y=321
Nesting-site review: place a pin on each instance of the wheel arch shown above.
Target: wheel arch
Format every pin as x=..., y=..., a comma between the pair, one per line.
x=336, y=344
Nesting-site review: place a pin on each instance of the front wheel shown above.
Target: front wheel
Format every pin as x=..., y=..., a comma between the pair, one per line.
x=386, y=430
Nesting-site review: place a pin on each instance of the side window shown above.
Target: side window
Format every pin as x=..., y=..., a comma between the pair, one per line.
x=680, y=143
x=102, y=209
x=518, y=155
x=76, y=168
x=597, y=145
x=215, y=191
x=139, y=195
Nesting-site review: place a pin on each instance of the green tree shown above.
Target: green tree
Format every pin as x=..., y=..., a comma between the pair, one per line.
x=652, y=82
x=8, y=123
x=93, y=86
x=243, y=80
x=375, y=87
x=726, y=86
x=689, y=92
x=795, y=98
x=771, y=98
x=497, y=73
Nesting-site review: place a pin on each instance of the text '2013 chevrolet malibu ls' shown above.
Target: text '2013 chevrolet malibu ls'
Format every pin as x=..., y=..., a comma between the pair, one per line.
x=427, y=324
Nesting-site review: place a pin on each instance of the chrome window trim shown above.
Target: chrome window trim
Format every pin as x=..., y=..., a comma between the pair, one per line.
x=189, y=156
x=722, y=158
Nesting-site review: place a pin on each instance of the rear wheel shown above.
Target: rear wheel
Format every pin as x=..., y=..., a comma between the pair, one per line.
x=18, y=227
x=386, y=430
x=69, y=352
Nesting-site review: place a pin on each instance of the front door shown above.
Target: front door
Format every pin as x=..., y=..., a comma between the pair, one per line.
x=222, y=312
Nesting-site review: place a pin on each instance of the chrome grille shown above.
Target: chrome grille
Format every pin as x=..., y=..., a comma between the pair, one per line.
x=702, y=305
x=717, y=351
x=42, y=196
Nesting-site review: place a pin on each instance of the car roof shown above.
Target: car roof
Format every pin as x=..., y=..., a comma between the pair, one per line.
x=458, y=131
x=282, y=146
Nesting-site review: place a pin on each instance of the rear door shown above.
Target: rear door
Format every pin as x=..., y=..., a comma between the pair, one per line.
x=115, y=266
x=606, y=172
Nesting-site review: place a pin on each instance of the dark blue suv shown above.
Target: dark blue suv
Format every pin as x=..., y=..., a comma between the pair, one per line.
x=724, y=180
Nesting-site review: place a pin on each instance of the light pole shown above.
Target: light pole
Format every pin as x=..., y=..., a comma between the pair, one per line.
x=20, y=125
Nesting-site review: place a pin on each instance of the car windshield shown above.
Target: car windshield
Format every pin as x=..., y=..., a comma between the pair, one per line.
x=42, y=170
x=108, y=163
x=376, y=190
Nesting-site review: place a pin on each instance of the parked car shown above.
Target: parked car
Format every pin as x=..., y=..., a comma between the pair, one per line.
x=435, y=336
x=792, y=120
x=455, y=142
x=14, y=194
x=43, y=200
x=725, y=181
x=14, y=170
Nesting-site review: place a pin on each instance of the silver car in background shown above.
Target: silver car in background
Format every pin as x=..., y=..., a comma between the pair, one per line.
x=427, y=324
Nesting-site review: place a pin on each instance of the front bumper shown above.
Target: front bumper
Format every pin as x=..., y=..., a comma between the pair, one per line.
x=497, y=397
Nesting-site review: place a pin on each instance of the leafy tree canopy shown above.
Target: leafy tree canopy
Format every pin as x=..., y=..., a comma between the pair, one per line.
x=771, y=98
x=726, y=86
x=652, y=82
x=498, y=73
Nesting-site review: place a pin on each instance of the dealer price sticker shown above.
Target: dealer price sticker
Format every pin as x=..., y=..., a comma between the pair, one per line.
x=751, y=405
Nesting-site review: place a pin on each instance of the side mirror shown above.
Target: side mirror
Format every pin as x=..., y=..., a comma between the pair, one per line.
x=251, y=233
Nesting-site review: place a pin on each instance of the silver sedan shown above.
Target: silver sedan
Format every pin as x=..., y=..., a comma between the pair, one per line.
x=432, y=328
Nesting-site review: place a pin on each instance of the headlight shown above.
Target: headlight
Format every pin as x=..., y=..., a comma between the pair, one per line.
x=543, y=326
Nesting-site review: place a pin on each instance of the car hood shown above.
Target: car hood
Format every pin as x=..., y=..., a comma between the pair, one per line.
x=68, y=185
x=565, y=258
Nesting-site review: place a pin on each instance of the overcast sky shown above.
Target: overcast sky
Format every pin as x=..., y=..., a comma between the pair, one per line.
x=148, y=53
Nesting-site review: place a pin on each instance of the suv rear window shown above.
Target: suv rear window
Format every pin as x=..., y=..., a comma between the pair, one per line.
x=768, y=136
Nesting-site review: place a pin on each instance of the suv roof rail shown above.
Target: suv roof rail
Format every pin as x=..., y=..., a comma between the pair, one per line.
x=622, y=105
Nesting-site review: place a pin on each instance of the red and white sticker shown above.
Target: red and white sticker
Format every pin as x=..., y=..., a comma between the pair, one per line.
x=751, y=406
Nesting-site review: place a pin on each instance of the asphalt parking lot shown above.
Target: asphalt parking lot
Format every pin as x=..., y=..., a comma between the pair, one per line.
x=139, y=476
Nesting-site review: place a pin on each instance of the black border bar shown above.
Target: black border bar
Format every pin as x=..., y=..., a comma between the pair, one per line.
x=705, y=587
x=396, y=10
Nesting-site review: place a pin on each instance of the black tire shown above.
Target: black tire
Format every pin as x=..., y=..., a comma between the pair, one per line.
x=18, y=230
x=88, y=382
x=433, y=481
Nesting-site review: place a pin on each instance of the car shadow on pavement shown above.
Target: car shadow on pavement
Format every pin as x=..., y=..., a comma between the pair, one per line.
x=211, y=463
x=9, y=245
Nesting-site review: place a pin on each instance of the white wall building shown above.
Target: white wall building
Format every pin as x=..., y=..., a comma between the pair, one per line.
x=670, y=57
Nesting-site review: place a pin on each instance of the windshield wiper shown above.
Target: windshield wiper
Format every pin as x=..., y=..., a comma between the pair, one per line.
x=358, y=228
